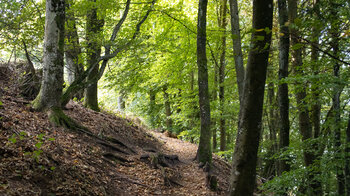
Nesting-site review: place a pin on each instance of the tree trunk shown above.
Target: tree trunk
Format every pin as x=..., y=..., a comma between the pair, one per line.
x=347, y=158
x=152, y=106
x=222, y=25
x=316, y=103
x=248, y=136
x=93, y=33
x=52, y=81
x=121, y=101
x=73, y=50
x=270, y=167
x=283, y=100
x=336, y=99
x=237, y=47
x=168, y=120
x=204, y=153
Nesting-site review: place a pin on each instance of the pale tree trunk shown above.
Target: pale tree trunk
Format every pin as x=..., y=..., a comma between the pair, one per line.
x=243, y=175
x=121, y=101
x=237, y=47
x=222, y=25
x=93, y=33
x=283, y=100
x=72, y=50
x=52, y=80
x=204, y=153
x=214, y=99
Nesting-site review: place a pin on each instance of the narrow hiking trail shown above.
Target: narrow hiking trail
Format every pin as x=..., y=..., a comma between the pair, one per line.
x=116, y=156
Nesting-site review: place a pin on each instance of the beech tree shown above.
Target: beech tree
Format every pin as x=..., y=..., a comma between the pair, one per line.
x=247, y=142
x=204, y=149
x=52, y=82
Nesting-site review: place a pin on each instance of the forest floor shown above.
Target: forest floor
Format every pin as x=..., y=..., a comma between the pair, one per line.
x=120, y=157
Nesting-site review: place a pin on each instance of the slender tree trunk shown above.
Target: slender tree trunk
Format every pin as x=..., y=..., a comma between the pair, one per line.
x=336, y=99
x=283, y=100
x=222, y=25
x=316, y=103
x=73, y=50
x=121, y=101
x=347, y=158
x=93, y=32
x=52, y=81
x=237, y=48
x=214, y=99
x=204, y=153
x=249, y=130
x=152, y=106
x=271, y=166
x=168, y=120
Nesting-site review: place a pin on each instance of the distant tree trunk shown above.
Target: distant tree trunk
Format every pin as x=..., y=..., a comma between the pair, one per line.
x=93, y=30
x=347, y=158
x=336, y=98
x=237, y=47
x=168, y=120
x=271, y=167
x=204, y=153
x=283, y=100
x=214, y=99
x=152, y=106
x=73, y=50
x=222, y=25
x=121, y=101
x=243, y=175
x=52, y=81
x=316, y=103
x=305, y=126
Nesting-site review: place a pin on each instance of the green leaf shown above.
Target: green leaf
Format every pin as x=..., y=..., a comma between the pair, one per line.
x=38, y=145
x=297, y=46
x=52, y=168
x=1, y=104
x=41, y=136
x=51, y=139
x=13, y=138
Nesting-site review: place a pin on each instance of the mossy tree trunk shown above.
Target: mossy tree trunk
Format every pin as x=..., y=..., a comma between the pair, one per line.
x=52, y=81
x=93, y=35
x=243, y=174
x=48, y=98
x=204, y=153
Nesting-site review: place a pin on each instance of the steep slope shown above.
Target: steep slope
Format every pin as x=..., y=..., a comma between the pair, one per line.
x=116, y=156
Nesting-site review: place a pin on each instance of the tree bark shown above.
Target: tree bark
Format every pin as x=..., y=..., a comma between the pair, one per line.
x=72, y=50
x=168, y=120
x=222, y=26
x=336, y=99
x=283, y=100
x=52, y=81
x=93, y=33
x=347, y=158
x=204, y=153
x=237, y=47
x=243, y=174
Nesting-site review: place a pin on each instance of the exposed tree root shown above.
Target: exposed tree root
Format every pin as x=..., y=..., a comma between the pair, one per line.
x=159, y=159
x=59, y=118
